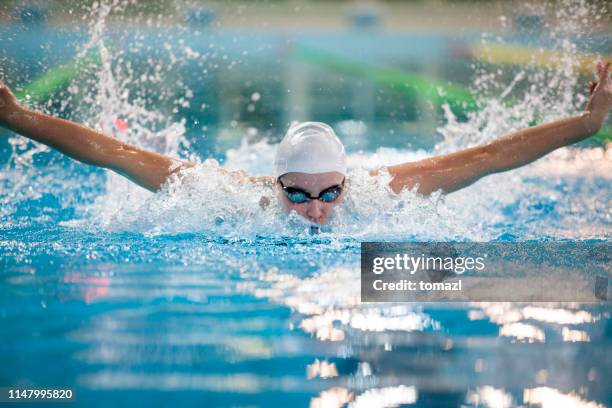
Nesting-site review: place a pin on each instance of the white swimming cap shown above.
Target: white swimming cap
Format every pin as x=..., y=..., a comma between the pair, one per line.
x=310, y=147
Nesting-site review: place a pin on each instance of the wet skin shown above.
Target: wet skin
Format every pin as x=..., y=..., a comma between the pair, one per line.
x=446, y=173
x=314, y=210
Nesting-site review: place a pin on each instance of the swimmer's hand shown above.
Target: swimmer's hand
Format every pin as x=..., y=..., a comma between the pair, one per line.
x=8, y=102
x=601, y=99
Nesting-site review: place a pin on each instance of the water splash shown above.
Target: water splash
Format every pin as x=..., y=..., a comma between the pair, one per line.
x=513, y=97
x=559, y=196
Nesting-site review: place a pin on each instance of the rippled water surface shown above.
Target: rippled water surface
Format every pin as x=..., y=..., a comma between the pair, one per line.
x=272, y=322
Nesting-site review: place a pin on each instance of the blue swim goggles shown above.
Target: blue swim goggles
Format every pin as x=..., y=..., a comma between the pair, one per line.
x=299, y=196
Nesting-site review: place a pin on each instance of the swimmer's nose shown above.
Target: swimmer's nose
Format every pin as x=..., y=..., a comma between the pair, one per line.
x=315, y=209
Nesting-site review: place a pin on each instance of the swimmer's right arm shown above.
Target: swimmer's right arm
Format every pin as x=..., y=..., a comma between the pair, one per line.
x=146, y=168
x=457, y=170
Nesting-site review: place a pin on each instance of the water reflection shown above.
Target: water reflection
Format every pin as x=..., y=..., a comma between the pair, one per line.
x=547, y=397
x=330, y=304
x=574, y=335
x=92, y=288
x=322, y=369
x=522, y=331
x=385, y=397
x=413, y=353
x=488, y=396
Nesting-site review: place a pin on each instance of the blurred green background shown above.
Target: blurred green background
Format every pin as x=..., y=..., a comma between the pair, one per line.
x=380, y=72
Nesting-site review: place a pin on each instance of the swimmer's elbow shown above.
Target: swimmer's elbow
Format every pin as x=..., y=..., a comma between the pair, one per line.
x=447, y=173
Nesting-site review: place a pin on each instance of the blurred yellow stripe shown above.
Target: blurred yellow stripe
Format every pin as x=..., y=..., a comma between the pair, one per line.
x=519, y=55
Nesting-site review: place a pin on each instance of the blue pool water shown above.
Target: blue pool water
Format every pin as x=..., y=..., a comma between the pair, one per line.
x=195, y=297
x=199, y=318
x=123, y=319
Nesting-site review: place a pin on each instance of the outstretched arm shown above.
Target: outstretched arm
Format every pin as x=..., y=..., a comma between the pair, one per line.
x=147, y=169
x=457, y=170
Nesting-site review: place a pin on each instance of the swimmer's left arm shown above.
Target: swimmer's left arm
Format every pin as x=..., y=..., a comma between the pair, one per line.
x=458, y=170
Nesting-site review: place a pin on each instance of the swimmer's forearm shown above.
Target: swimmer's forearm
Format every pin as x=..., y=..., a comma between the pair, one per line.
x=458, y=170
x=77, y=141
x=148, y=169
x=528, y=145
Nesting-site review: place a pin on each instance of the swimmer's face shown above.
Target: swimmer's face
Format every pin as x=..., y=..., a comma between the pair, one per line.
x=313, y=210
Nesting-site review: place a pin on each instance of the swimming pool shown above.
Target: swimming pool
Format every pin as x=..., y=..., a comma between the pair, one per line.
x=125, y=316
x=193, y=297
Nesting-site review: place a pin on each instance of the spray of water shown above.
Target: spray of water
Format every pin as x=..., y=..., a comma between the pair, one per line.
x=513, y=98
x=128, y=100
